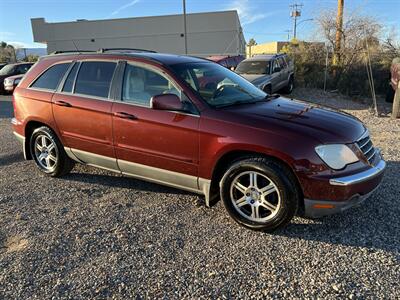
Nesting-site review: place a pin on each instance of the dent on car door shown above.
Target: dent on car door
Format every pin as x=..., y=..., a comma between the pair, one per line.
x=82, y=111
x=154, y=144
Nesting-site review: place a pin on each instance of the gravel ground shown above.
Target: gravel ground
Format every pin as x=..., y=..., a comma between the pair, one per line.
x=94, y=234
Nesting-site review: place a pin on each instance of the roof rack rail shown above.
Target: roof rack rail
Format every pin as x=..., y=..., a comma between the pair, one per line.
x=136, y=50
x=71, y=51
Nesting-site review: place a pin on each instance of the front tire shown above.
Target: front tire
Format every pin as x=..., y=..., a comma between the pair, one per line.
x=48, y=153
x=259, y=193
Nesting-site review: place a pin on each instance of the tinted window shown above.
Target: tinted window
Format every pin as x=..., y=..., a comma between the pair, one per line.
x=94, y=78
x=276, y=65
x=50, y=79
x=282, y=62
x=141, y=84
x=254, y=67
x=69, y=82
x=22, y=69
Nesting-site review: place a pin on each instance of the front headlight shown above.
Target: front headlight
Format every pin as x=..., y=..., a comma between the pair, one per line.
x=336, y=156
x=8, y=81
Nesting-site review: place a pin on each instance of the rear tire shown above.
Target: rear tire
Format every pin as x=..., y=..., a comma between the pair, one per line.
x=48, y=153
x=265, y=201
x=290, y=86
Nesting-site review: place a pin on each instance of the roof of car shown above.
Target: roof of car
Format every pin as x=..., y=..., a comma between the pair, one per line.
x=22, y=63
x=163, y=58
x=265, y=56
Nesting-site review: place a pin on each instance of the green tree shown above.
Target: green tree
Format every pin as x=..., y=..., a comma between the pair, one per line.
x=32, y=58
x=252, y=42
x=7, y=52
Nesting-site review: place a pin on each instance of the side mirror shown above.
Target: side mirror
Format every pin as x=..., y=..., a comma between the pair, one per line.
x=277, y=69
x=166, y=102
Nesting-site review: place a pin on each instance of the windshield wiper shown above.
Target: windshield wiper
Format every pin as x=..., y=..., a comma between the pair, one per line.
x=239, y=102
x=271, y=96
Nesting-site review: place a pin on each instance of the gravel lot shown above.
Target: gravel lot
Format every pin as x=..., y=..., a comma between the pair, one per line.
x=94, y=234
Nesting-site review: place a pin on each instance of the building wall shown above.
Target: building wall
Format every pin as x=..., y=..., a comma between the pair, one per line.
x=208, y=34
x=267, y=48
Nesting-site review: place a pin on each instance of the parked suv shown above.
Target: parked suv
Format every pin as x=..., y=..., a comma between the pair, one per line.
x=270, y=73
x=11, y=70
x=230, y=62
x=145, y=115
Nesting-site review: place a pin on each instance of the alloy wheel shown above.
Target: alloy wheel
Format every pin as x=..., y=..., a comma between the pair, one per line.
x=255, y=196
x=46, y=152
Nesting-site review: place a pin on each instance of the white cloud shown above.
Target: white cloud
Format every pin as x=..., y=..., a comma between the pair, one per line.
x=123, y=7
x=248, y=14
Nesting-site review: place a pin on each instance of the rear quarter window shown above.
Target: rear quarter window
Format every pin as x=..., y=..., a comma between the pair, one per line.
x=50, y=79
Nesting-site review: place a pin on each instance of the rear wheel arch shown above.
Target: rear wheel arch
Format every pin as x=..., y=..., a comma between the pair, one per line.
x=227, y=159
x=29, y=129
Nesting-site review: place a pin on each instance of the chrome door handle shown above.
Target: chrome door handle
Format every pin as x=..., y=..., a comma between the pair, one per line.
x=62, y=103
x=125, y=115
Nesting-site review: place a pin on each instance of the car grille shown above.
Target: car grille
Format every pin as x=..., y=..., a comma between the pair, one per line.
x=367, y=148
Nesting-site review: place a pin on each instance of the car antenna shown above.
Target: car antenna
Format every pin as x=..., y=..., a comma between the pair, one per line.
x=76, y=47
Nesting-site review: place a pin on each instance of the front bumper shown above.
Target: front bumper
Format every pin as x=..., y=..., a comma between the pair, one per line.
x=370, y=178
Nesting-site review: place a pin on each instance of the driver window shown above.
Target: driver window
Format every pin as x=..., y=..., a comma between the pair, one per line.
x=276, y=65
x=141, y=84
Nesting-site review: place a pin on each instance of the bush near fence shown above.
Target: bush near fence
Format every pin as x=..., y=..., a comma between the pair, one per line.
x=350, y=78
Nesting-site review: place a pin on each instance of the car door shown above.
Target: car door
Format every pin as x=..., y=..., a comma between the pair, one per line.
x=82, y=111
x=154, y=144
x=275, y=76
x=284, y=72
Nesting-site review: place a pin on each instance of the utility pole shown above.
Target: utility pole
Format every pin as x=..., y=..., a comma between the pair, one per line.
x=295, y=13
x=184, y=26
x=339, y=29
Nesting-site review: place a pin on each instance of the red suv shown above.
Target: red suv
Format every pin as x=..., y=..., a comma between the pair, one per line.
x=145, y=115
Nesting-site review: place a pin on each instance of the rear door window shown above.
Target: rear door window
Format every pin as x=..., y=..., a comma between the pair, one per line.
x=94, y=78
x=50, y=79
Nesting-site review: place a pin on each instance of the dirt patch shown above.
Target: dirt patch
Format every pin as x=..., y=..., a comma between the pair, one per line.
x=16, y=243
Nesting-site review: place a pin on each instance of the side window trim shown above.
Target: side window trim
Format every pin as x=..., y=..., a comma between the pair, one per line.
x=76, y=76
x=62, y=82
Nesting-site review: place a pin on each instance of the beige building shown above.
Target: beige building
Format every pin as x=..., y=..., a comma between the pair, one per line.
x=266, y=48
x=214, y=33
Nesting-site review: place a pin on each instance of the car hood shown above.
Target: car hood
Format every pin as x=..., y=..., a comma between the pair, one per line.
x=294, y=119
x=256, y=78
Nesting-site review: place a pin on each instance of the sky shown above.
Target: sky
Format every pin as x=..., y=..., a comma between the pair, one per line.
x=263, y=20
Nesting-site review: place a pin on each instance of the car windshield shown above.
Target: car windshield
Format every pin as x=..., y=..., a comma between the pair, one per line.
x=7, y=70
x=217, y=85
x=254, y=67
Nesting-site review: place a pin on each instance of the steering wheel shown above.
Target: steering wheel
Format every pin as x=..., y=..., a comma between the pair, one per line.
x=218, y=91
